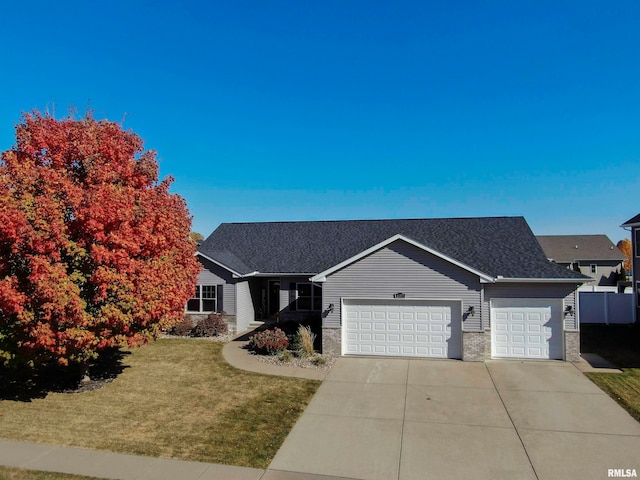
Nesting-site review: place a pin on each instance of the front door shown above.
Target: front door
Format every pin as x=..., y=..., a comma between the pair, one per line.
x=274, y=297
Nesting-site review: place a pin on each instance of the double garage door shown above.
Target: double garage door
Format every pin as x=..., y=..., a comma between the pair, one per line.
x=520, y=328
x=402, y=327
x=526, y=328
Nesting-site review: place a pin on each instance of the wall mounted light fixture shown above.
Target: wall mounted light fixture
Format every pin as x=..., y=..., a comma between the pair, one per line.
x=471, y=311
x=568, y=310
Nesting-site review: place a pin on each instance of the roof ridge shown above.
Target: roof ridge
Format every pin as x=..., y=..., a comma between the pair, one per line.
x=372, y=220
x=577, y=235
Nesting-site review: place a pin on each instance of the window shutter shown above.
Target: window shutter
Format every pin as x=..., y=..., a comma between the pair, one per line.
x=292, y=296
x=219, y=304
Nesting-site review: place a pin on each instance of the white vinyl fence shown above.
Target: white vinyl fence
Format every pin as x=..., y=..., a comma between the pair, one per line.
x=605, y=307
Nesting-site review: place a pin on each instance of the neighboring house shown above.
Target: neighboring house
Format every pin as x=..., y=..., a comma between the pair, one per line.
x=633, y=224
x=470, y=288
x=593, y=255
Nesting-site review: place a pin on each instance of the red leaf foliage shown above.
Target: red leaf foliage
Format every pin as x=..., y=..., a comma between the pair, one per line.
x=94, y=250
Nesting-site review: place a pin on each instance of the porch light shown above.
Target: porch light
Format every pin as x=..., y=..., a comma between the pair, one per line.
x=330, y=307
x=568, y=310
x=471, y=311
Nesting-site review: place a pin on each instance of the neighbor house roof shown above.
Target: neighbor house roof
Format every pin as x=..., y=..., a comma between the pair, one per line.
x=496, y=246
x=632, y=221
x=571, y=248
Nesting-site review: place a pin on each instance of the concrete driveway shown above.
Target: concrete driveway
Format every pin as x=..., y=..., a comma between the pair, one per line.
x=381, y=419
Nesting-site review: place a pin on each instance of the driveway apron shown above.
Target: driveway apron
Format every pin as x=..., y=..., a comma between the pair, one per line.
x=380, y=419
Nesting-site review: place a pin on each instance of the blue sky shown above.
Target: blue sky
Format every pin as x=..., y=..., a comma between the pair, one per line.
x=306, y=110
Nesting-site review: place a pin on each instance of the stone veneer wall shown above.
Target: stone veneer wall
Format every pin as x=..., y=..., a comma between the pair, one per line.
x=332, y=341
x=475, y=346
x=572, y=345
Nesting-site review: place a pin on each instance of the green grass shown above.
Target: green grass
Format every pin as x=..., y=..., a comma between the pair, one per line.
x=8, y=473
x=620, y=344
x=176, y=398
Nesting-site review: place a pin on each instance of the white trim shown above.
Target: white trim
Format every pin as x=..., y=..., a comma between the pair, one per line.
x=201, y=299
x=321, y=277
x=235, y=274
x=262, y=274
x=557, y=301
x=501, y=279
x=343, y=331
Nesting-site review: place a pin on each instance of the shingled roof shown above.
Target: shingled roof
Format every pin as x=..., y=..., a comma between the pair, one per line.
x=496, y=246
x=571, y=248
x=632, y=221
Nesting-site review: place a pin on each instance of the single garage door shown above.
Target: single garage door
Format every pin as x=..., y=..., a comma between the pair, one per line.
x=402, y=327
x=526, y=328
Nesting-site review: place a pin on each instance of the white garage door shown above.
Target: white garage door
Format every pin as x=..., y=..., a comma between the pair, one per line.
x=526, y=328
x=401, y=327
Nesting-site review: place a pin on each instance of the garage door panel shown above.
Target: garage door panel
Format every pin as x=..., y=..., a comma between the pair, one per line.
x=526, y=328
x=419, y=328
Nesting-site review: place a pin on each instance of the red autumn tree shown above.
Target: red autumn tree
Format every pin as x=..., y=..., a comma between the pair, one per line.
x=624, y=246
x=94, y=250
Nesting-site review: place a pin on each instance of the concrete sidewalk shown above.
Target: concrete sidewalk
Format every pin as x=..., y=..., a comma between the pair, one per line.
x=110, y=465
x=408, y=419
x=102, y=464
x=117, y=466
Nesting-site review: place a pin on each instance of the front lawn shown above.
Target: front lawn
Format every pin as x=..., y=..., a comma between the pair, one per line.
x=176, y=398
x=8, y=473
x=620, y=344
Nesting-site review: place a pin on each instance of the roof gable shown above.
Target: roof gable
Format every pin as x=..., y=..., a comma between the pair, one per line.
x=632, y=222
x=322, y=275
x=495, y=246
x=571, y=248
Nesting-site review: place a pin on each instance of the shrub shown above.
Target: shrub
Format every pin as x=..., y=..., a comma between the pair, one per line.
x=285, y=356
x=304, y=341
x=269, y=342
x=212, y=326
x=183, y=327
x=319, y=361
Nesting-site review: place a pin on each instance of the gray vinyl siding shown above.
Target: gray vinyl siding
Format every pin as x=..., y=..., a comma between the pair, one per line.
x=636, y=271
x=402, y=268
x=245, y=313
x=606, y=274
x=212, y=274
x=562, y=291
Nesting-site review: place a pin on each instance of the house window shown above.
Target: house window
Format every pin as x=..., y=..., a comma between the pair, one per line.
x=594, y=268
x=204, y=300
x=309, y=296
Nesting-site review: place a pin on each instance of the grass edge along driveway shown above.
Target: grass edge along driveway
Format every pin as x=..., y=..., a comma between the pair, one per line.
x=620, y=344
x=9, y=473
x=176, y=398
